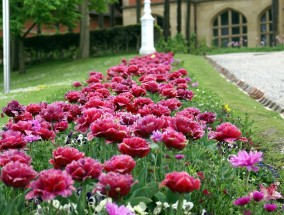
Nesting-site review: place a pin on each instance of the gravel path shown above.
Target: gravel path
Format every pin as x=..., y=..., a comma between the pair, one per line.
x=262, y=70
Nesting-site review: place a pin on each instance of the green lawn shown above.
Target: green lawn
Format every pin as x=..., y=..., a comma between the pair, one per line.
x=46, y=81
x=268, y=126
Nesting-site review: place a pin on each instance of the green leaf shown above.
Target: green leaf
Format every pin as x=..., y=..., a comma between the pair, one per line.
x=154, y=146
x=135, y=201
x=149, y=190
x=161, y=197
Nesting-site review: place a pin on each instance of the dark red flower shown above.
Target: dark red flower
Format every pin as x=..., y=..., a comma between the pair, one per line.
x=135, y=147
x=84, y=168
x=52, y=113
x=34, y=109
x=185, y=94
x=154, y=109
x=108, y=129
x=73, y=96
x=46, y=134
x=114, y=185
x=207, y=117
x=138, y=91
x=60, y=126
x=18, y=175
x=76, y=84
x=62, y=156
x=181, y=182
x=26, y=116
x=13, y=109
x=188, y=127
x=227, y=132
x=120, y=163
x=14, y=155
x=172, y=104
x=12, y=140
x=51, y=183
x=174, y=139
x=89, y=116
x=151, y=86
x=145, y=126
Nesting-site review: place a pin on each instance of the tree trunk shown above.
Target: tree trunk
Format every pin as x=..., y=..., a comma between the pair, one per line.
x=275, y=14
x=166, y=30
x=138, y=11
x=101, y=21
x=112, y=15
x=14, y=53
x=84, y=45
x=178, y=16
x=21, y=55
x=188, y=14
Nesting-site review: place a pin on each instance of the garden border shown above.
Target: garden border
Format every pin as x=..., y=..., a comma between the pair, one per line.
x=253, y=92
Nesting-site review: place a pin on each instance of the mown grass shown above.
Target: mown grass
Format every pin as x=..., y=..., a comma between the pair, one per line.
x=42, y=82
x=268, y=126
x=52, y=80
x=213, y=51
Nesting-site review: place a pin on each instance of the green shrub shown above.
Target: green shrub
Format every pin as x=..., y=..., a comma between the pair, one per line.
x=65, y=46
x=178, y=44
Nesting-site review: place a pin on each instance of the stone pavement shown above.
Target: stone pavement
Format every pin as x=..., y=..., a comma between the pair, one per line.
x=261, y=75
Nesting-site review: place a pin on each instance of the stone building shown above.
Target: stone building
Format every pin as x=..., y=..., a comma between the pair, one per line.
x=221, y=22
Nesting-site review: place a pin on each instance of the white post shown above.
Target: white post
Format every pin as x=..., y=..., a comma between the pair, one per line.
x=147, y=30
x=6, y=45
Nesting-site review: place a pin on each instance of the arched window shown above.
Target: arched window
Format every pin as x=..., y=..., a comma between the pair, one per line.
x=230, y=29
x=266, y=33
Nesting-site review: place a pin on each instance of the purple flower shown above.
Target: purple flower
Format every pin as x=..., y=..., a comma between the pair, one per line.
x=257, y=196
x=113, y=209
x=242, y=201
x=36, y=125
x=195, y=84
x=248, y=160
x=31, y=138
x=270, y=207
x=157, y=136
x=247, y=212
x=179, y=156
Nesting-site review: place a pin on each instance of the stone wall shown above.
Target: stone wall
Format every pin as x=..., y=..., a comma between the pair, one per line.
x=205, y=11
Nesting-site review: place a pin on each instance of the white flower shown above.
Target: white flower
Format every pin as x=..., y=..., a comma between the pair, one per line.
x=56, y=204
x=39, y=210
x=130, y=207
x=102, y=204
x=166, y=205
x=187, y=206
x=140, y=209
x=157, y=210
x=159, y=203
x=203, y=212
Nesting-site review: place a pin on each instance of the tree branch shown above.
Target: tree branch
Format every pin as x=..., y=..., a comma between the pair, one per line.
x=28, y=31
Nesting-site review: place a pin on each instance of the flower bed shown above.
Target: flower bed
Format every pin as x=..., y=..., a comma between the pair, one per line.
x=144, y=139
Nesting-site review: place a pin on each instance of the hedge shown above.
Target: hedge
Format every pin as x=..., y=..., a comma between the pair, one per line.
x=65, y=46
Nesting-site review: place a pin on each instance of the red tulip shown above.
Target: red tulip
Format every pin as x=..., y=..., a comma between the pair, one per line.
x=114, y=185
x=62, y=156
x=174, y=139
x=51, y=183
x=120, y=163
x=84, y=168
x=14, y=155
x=227, y=132
x=181, y=182
x=18, y=175
x=135, y=147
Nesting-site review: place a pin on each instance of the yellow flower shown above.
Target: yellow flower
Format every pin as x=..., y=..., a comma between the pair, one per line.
x=226, y=108
x=153, y=56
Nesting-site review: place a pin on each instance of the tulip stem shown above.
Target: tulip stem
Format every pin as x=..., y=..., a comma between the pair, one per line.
x=180, y=204
x=247, y=180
